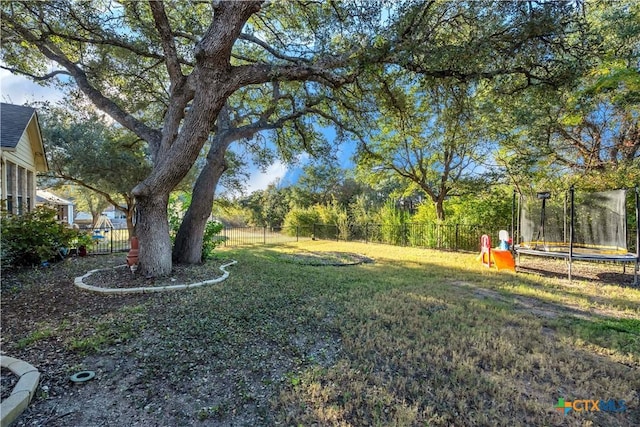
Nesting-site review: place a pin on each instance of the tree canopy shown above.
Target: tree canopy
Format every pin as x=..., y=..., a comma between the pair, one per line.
x=166, y=72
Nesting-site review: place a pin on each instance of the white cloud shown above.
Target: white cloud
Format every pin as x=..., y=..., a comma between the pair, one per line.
x=15, y=89
x=260, y=180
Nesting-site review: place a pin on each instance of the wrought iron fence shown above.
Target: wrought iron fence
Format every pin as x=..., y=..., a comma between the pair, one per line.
x=240, y=236
x=454, y=237
x=108, y=240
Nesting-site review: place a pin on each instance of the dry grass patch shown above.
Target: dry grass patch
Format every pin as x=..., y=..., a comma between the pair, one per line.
x=421, y=350
x=417, y=338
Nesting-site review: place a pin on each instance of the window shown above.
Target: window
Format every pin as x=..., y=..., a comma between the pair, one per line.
x=21, y=189
x=29, y=191
x=11, y=186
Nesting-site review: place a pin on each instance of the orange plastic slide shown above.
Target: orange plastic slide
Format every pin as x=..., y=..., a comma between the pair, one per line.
x=503, y=259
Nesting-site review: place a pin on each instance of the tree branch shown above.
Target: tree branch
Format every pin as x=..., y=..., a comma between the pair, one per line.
x=168, y=44
x=81, y=183
x=54, y=53
x=271, y=50
x=33, y=76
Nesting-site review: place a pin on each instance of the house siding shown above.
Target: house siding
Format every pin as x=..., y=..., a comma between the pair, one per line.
x=24, y=160
x=23, y=150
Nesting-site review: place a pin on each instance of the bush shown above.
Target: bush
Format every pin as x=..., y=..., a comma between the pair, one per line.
x=334, y=215
x=209, y=241
x=35, y=237
x=393, y=224
x=303, y=219
x=177, y=206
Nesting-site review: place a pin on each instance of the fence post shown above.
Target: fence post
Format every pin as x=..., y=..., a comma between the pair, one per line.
x=366, y=233
x=297, y=233
x=404, y=234
x=111, y=237
x=457, y=236
x=313, y=235
x=264, y=235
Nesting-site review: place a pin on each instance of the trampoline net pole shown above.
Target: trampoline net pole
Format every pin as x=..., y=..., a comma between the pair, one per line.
x=635, y=271
x=513, y=218
x=571, y=225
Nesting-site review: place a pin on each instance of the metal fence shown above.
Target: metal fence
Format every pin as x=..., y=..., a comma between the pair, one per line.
x=108, y=240
x=240, y=236
x=454, y=237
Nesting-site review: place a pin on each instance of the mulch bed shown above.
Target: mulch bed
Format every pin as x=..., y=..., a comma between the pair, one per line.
x=327, y=258
x=601, y=272
x=8, y=381
x=121, y=277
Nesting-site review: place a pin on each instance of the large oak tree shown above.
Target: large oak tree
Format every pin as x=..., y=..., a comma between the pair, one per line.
x=116, y=53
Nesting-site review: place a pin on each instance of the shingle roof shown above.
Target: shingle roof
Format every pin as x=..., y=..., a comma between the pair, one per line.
x=13, y=121
x=43, y=196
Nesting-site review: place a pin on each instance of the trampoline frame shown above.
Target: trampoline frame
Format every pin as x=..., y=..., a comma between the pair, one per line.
x=571, y=255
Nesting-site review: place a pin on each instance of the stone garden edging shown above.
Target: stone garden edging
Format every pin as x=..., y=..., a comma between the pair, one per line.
x=79, y=282
x=22, y=393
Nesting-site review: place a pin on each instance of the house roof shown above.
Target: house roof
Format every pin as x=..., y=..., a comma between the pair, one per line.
x=43, y=196
x=13, y=122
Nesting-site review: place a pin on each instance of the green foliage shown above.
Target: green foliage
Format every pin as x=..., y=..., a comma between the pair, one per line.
x=393, y=224
x=302, y=219
x=332, y=214
x=178, y=204
x=232, y=214
x=35, y=237
x=425, y=214
x=492, y=207
x=209, y=241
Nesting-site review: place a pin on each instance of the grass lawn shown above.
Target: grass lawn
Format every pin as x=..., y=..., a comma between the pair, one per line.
x=417, y=337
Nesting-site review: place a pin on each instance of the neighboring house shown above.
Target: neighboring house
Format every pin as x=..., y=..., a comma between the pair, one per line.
x=22, y=156
x=63, y=206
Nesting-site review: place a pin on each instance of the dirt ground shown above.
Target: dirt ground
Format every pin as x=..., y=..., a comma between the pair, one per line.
x=141, y=379
x=600, y=272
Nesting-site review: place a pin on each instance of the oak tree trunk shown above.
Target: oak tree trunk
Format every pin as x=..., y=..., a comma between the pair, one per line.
x=440, y=209
x=152, y=230
x=187, y=247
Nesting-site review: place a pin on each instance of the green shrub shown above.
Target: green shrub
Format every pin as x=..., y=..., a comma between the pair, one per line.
x=301, y=219
x=35, y=237
x=393, y=223
x=335, y=215
x=176, y=209
x=209, y=241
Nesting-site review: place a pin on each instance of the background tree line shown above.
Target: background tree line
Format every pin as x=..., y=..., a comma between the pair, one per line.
x=444, y=99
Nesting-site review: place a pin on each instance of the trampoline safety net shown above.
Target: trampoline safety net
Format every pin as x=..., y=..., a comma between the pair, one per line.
x=599, y=222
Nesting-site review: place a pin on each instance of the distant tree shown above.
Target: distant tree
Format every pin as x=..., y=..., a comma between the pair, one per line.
x=429, y=137
x=83, y=149
x=87, y=200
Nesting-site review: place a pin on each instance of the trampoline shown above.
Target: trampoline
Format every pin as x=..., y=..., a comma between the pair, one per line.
x=577, y=226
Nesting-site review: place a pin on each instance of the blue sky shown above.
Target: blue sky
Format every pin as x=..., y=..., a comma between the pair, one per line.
x=17, y=90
